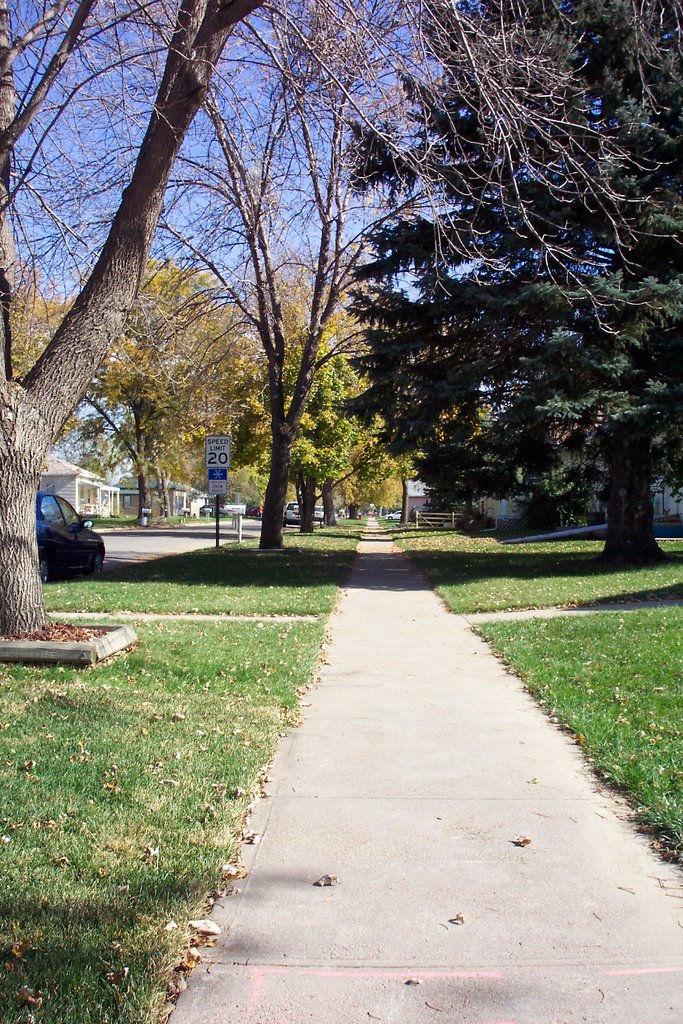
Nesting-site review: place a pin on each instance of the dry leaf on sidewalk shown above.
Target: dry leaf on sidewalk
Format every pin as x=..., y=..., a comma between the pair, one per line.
x=327, y=880
x=234, y=871
x=521, y=841
x=206, y=927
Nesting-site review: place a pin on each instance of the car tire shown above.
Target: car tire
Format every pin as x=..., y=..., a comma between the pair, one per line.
x=44, y=570
x=96, y=562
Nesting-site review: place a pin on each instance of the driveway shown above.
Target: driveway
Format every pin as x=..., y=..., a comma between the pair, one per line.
x=124, y=547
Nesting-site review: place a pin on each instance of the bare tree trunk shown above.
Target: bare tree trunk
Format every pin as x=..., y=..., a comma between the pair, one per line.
x=328, y=504
x=276, y=491
x=308, y=492
x=630, y=540
x=404, y=501
x=23, y=447
x=144, y=489
x=7, y=254
x=164, y=494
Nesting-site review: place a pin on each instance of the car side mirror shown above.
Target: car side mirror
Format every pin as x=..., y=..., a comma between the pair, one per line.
x=87, y=523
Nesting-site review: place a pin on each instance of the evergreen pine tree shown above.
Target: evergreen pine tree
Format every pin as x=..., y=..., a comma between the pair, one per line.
x=585, y=350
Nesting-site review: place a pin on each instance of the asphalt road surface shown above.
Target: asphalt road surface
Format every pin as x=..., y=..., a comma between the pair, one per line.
x=124, y=547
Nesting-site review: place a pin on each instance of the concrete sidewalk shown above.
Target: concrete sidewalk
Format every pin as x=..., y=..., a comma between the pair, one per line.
x=420, y=772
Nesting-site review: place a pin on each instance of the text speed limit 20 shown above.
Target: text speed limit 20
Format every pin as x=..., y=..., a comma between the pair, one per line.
x=217, y=450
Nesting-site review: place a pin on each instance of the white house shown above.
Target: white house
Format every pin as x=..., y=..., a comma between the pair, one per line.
x=88, y=493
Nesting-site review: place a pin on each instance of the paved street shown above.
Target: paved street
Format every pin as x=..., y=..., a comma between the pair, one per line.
x=124, y=547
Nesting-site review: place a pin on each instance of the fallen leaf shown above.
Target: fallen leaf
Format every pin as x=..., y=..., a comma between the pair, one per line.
x=191, y=958
x=234, y=871
x=458, y=919
x=251, y=838
x=117, y=977
x=206, y=927
x=61, y=862
x=171, y=926
x=29, y=997
x=327, y=880
x=521, y=841
x=413, y=981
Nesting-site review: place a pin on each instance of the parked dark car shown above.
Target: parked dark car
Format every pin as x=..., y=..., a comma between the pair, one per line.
x=210, y=510
x=65, y=541
x=412, y=518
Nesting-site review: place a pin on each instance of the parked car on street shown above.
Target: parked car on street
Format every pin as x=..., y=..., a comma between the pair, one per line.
x=418, y=509
x=254, y=511
x=394, y=517
x=291, y=515
x=66, y=542
x=210, y=510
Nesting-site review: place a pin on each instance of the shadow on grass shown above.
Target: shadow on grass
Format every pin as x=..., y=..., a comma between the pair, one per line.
x=241, y=567
x=93, y=959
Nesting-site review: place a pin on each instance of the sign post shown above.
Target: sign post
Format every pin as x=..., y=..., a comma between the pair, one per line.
x=217, y=459
x=218, y=485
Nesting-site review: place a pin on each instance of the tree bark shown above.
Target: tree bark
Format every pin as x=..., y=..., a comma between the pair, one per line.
x=144, y=490
x=404, y=501
x=276, y=491
x=23, y=446
x=630, y=540
x=328, y=504
x=308, y=492
x=164, y=494
x=7, y=254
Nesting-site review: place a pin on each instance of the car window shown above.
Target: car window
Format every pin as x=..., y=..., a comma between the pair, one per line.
x=68, y=512
x=50, y=511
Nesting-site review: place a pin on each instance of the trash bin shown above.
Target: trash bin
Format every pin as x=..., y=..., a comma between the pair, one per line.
x=145, y=513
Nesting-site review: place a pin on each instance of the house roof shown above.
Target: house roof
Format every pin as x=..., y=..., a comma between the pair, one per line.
x=60, y=467
x=416, y=489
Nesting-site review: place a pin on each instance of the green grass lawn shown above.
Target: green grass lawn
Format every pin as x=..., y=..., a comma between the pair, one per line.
x=616, y=680
x=233, y=579
x=124, y=786
x=479, y=574
x=123, y=790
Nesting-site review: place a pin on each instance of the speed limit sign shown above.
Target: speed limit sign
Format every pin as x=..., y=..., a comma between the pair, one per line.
x=217, y=451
